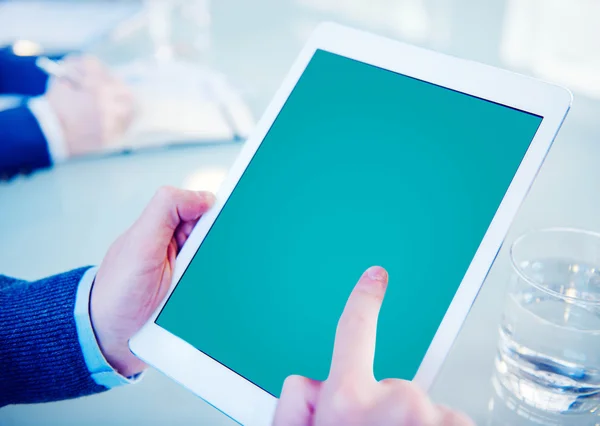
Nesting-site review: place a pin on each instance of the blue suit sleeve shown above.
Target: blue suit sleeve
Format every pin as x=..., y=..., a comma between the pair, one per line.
x=23, y=146
x=40, y=354
x=20, y=76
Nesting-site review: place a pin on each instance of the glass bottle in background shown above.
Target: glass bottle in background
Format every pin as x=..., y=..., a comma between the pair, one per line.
x=181, y=97
x=179, y=29
x=159, y=16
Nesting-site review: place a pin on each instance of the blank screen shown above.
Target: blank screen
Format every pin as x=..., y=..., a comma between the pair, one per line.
x=362, y=166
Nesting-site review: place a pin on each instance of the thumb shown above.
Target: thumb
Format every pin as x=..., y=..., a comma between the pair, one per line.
x=169, y=208
x=296, y=406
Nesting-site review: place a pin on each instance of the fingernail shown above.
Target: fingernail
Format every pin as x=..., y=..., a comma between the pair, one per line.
x=377, y=273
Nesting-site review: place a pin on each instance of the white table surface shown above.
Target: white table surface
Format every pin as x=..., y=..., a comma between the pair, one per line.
x=67, y=217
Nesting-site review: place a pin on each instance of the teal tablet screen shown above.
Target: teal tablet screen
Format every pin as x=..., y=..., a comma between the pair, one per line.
x=362, y=166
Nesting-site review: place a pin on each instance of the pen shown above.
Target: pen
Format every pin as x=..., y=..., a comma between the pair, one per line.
x=57, y=69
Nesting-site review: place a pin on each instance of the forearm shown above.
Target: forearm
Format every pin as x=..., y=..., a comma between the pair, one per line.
x=40, y=353
x=20, y=75
x=23, y=146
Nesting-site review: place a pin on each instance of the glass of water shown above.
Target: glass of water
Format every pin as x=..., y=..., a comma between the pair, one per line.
x=549, y=348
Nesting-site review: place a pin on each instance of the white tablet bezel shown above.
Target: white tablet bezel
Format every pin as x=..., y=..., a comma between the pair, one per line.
x=244, y=401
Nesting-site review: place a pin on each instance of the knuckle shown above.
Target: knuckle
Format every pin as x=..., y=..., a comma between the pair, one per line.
x=455, y=418
x=416, y=410
x=419, y=415
x=348, y=402
x=292, y=383
x=352, y=320
x=165, y=194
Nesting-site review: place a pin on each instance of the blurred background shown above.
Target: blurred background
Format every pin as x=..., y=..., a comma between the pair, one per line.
x=202, y=72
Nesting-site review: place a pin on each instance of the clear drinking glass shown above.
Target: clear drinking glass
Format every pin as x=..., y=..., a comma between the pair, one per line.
x=549, y=348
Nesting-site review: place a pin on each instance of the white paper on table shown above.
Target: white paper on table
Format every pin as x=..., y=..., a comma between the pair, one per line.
x=178, y=102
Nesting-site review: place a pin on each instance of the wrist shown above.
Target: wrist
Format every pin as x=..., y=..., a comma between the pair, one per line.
x=111, y=333
x=115, y=349
x=101, y=371
x=51, y=127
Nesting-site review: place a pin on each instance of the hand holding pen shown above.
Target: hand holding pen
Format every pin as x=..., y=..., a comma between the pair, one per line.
x=92, y=107
x=58, y=69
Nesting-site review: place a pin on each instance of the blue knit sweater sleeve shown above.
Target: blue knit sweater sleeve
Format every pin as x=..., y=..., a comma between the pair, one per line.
x=40, y=354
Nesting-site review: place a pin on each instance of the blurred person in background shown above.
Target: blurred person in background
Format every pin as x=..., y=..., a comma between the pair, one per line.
x=59, y=118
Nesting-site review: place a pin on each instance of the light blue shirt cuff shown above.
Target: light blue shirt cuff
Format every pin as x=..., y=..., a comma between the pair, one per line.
x=51, y=128
x=100, y=370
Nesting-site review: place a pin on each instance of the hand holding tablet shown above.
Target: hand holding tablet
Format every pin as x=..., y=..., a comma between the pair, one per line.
x=136, y=272
x=351, y=394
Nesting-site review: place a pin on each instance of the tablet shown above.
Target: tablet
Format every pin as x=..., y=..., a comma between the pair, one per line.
x=372, y=152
